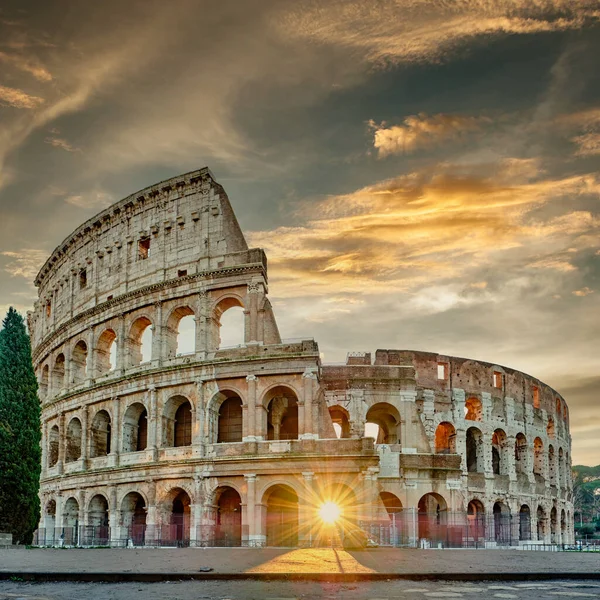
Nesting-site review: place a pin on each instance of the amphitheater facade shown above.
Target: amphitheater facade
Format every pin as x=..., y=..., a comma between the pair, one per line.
x=147, y=442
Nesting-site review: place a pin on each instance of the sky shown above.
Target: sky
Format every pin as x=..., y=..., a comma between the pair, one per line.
x=423, y=174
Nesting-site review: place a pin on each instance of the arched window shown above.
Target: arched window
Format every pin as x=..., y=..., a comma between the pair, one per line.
x=100, y=435
x=97, y=530
x=228, y=529
x=177, y=422
x=282, y=516
x=524, y=523
x=387, y=419
x=476, y=519
x=135, y=428
x=392, y=503
x=106, y=352
x=139, y=343
x=340, y=419
x=550, y=428
x=473, y=409
x=474, y=450
x=79, y=362
x=499, y=453
x=44, y=381
x=282, y=414
x=230, y=317
x=53, y=444
x=445, y=439
x=181, y=332
x=541, y=524
x=551, y=465
x=521, y=454
x=432, y=517
x=502, y=523
x=58, y=374
x=230, y=420
x=179, y=519
x=133, y=517
x=70, y=522
x=538, y=457
x=73, y=440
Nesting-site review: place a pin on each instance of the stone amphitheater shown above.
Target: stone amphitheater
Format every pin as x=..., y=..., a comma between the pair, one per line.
x=156, y=432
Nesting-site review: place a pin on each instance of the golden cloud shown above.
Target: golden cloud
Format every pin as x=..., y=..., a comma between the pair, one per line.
x=586, y=291
x=62, y=144
x=25, y=263
x=27, y=65
x=422, y=131
x=18, y=98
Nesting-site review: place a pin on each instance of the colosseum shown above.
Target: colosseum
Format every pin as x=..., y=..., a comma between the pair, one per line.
x=156, y=432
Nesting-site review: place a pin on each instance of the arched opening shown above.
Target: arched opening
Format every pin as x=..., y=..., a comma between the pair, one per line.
x=553, y=525
x=432, y=518
x=73, y=450
x=558, y=408
x=53, y=444
x=44, y=379
x=96, y=533
x=524, y=523
x=445, y=439
x=229, y=315
x=551, y=465
x=387, y=419
x=563, y=527
x=230, y=420
x=177, y=423
x=179, y=520
x=341, y=422
x=79, y=362
x=541, y=524
x=473, y=409
x=139, y=342
x=499, y=454
x=71, y=522
x=135, y=428
x=282, y=414
x=538, y=457
x=180, y=332
x=476, y=520
x=58, y=374
x=474, y=450
x=49, y=524
x=502, y=523
x=228, y=528
x=550, y=428
x=521, y=454
x=133, y=518
x=282, y=516
x=106, y=352
x=100, y=435
x=393, y=505
x=561, y=480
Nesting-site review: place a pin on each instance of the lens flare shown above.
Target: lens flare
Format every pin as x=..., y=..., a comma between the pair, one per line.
x=330, y=512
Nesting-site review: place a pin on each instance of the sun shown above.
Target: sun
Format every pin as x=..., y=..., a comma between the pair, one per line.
x=329, y=512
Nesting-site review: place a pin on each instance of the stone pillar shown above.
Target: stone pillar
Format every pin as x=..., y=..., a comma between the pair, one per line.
x=115, y=441
x=62, y=440
x=458, y=405
x=203, y=324
x=58, y=520
x=44, y=448
x=407, y=408
x=122, y=346
x=508, y=455
x=198, y=439
x=309, y=379
x=84, y=438
x=308, y=525
x=153, y=423
x=157, y=335
x=90, y=366
x=151, y=514
x=249, y=514
x=114, y=517
x=250, y=430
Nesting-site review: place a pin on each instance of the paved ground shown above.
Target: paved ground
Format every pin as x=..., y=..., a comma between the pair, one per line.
x=318, y=560
x=258, y=590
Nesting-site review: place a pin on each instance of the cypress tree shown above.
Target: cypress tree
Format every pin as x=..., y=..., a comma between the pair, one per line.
x=20, y=433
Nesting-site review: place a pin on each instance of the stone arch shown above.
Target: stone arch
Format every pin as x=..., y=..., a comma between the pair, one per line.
x=228, y=518
x=538, y=457
x=176, y=531
x=502, y=522
x=230, y=321
x=340, y=419
x=550, y=430
x=500, y=455
x=96, y=531
x=445, y=438
x=73, y=450
x=476, y=519
x=79, y=359
x=58, y=373
x=281, y=502
x=553, y=525
x=177, y=422
x=133, y=517
x=139, y=341
x=474, y=443
x=106, y=352
x=387, y=418
x=71, y=521
x=49, y=524
x=53, y=445
x=101, y=434
x=179, y=334
x=542, y=525
x=225, y=416
x=521, y=449
x=392, y=503
x=563, y=526
x=524, y=523
x=281, y=403
x=135, y=428
x=44, y=381
x=432, y=517
x=473, y=409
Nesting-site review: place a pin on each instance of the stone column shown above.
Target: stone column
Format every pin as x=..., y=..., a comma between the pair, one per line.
x=151, y=514
x=308, y=386
x=157, y=335
x=90, y=367
x=461, y=448
x=250, y=429
x=62, y=440
x=115, y=441
x=458, y=405
x=44, y=448
x=198, y=439
x=114, y=518
x=122, y=360
x=407, y=408
x=58, y=520
x=84, y=438
x=249, y=515
x=203, y=324
x=307, y=522
x=153, y=423
x=251, y=312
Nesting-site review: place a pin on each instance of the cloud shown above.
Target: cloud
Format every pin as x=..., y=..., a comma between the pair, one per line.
x=588, y=144
x=24, y=263
x=91, y=200
x=394, y=31
x=422, y=131
x=586, y=291
x=18, y=98
x=28, y=65
x=61, y=143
